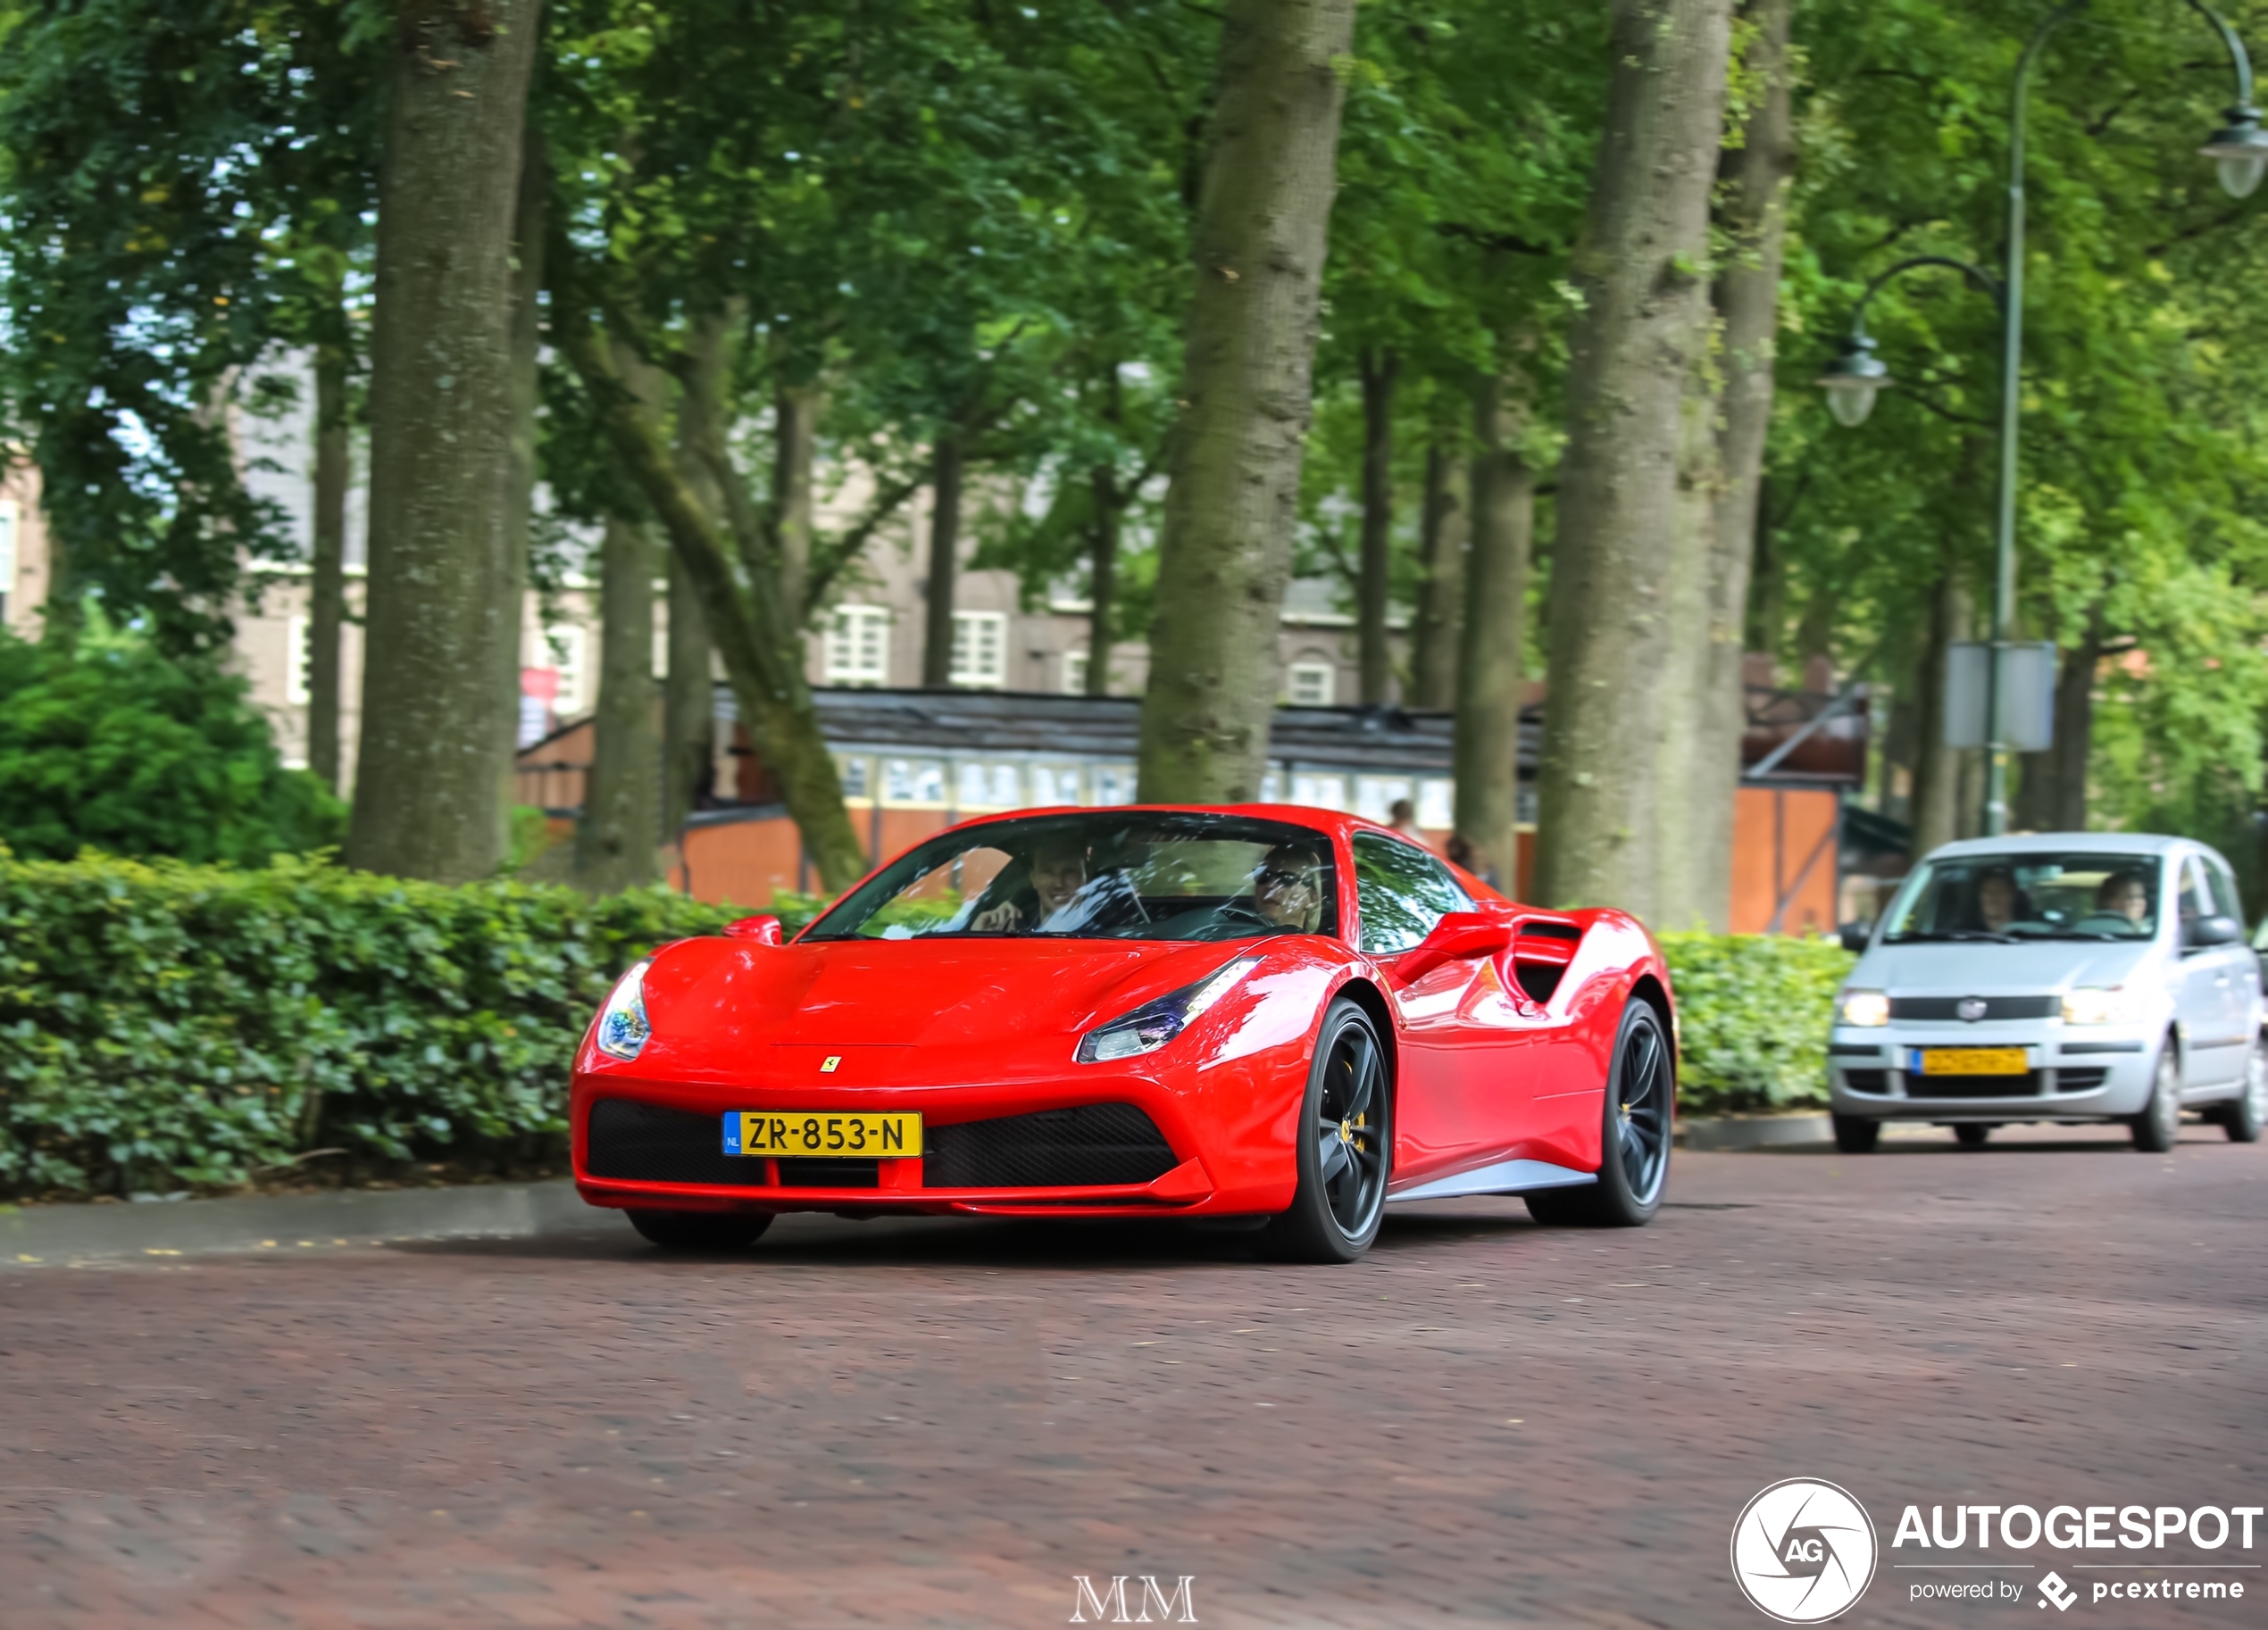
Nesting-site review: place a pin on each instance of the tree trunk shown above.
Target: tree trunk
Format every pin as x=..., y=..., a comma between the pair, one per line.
x=428, y=797
x=796, y=410
x=1489, y=680
x=530, y=229
x=945, y=545
x=1937, y=768
x=2051, y=787
x=1434, y=630
x=755, y=632
x=1633, y=347
x=1753, y=178
x=1102, y=578
x=327, y=582
x=1380, y=370
x=688, y=707
x=620, y=828
x=1247, y=384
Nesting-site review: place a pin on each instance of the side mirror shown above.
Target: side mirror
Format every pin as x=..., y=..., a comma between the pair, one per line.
x=1457, y=935
x=1855, y=935
x=764, y=930
x=2208, y=931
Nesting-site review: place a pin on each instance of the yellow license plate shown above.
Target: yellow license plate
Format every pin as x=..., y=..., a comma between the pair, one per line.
x=810, y=1135
x=1971, y=1061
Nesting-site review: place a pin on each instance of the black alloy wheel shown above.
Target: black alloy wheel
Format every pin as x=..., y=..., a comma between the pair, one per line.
x=1345, y=1147
x=1972, y=1134
x=701, y=1230
x=1634, y=1143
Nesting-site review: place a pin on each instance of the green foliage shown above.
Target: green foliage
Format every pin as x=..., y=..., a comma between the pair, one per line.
x=165, y=1023
x=115, y=746
x=1753, y=1017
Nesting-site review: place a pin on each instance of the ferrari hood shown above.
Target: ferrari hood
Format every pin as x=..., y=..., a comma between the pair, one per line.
x=722, y=999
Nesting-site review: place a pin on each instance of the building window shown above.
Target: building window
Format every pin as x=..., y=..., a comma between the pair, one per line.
x=1375, y=796
x=914, y=781
x=1320, y=792
x=980, y=649
x=295, y=689
x=1436, y=805
x=1053, y=783
x=570, y=645
x=851, y=770
x=1313, y=685
x=1074, y=673
x=1115, y=783
x=858, y=645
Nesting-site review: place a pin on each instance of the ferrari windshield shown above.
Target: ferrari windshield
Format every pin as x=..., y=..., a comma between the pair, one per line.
x=1099, y=874
x=2010, y=897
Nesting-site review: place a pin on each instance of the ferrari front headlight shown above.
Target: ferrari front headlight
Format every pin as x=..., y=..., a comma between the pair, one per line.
x=622, y=1030
x=1866, y=1008
x=1151, y=1026
x=2100, y=1005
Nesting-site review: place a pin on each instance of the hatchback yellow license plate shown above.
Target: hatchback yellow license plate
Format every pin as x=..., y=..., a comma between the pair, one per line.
x=1971, y=1061
x=810, y=1135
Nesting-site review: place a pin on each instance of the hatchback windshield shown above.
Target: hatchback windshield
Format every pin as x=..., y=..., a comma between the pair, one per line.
x=1099, y=875
x=2029, y=897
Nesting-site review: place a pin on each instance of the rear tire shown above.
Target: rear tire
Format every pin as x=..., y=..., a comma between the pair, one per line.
x=1857, y=1133
x=701, y=1230
x=1970, y=1134
x=2158, y=1127
x=1344, y=1148
x=1634, y=1137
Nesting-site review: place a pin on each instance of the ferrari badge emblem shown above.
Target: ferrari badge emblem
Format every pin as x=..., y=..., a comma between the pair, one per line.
x=826, y=1068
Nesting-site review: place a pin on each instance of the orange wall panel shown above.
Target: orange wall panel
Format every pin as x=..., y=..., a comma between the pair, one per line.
x=1783, y=849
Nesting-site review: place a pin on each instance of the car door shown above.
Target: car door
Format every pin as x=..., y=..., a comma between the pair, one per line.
x=2208, y=1002
x=1400, y=893
x=2239, y=972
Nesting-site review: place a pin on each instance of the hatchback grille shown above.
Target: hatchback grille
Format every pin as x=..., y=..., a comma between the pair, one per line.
x=2069, y=1080
x=1090, y=1146
x=1867, y=1080
x=2026, y=1085
x=1942, y=1008
x=646, y=1143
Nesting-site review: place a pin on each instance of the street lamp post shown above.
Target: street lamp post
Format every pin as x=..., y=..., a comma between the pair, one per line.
x=2239, y=152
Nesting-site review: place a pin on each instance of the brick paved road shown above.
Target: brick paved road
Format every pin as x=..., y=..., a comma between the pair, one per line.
x=941, y=1423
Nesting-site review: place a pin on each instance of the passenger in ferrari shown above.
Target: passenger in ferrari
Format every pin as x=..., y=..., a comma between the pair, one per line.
x=1058, y=871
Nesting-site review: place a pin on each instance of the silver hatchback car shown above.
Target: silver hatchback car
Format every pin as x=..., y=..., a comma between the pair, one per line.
x=2068, y=977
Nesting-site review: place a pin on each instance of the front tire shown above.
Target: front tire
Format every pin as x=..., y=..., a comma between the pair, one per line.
x=1857, y=1133
x=1344, y=1148
x=1634, y=1138
x=701, y=1230
x=2158, y=1127
x=1970, y=1134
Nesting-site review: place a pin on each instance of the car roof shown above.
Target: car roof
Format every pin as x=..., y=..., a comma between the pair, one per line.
x=2044, y=843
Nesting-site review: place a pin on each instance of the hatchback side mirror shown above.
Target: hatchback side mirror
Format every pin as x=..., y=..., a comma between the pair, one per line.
x=1855, y=935
x=1457, y=935
x=2208, y=931
x=764, y=930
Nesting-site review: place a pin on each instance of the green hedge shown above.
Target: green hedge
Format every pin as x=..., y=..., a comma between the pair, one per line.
x=162, y=1024
x=1753, y=1013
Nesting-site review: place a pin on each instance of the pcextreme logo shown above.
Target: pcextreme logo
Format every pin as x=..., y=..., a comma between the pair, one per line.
x=1803, y=1550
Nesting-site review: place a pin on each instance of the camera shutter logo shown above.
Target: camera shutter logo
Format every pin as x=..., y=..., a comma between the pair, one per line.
x=1803, y=1551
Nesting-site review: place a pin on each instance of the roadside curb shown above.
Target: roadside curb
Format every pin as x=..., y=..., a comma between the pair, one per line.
x=54, y=1234
x=1731, y=1132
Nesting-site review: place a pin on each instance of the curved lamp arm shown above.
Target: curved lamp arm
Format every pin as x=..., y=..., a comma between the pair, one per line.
x=1976, y=275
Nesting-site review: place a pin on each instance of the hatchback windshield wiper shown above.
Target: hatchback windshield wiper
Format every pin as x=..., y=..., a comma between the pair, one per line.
x=1952, y=934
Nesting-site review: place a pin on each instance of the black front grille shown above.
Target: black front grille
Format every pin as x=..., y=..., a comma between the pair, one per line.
x=2026, y=1085
x=645, y=1143
x=1090, y=1146
x=1867, y=1080
x=1944, y=1008
x=2069, y=1080
x=831, y=1174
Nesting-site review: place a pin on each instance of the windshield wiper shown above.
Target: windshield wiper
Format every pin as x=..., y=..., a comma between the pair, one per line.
x=1951, y=934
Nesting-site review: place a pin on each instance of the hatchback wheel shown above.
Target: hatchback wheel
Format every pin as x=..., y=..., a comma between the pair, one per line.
x=1972, y=1134
x=2244, y=1118
x=1857, y=1133
x=2158, y=1127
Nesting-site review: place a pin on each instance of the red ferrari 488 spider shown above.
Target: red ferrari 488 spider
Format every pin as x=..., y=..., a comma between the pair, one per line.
x=1268, y=1014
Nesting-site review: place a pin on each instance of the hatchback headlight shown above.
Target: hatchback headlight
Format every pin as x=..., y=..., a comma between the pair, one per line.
x=2095, y=1005
x=1151, y=1026
x=1866, y=1009
x=623, y=1029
